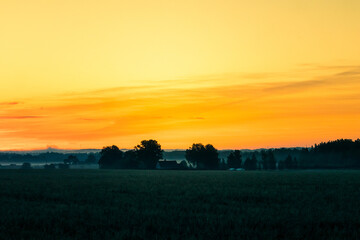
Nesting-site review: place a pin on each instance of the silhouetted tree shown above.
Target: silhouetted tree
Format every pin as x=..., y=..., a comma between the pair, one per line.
x=305, y=158
x=288, y=163
x=91, y=158
x=294, y=163
x=271, y=160
x=247, y=163
x=268, y=159
x=264, y=159
x=183, y=165
x=130, y=159
x=204, y=157
x=212, y=157
x=343, y=153
x=250, y=163
x=234, y=159
x=195, y=154
x=281, y=165
x=223, y=165
x=111, y=157
x=149, y=152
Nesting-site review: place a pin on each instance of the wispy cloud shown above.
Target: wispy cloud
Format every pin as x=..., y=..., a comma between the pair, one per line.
x=251, y=111
x=19, y=117
x=8, y=103
x=343, y=78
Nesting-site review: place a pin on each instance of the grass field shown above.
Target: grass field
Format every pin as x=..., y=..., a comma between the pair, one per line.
x=105, y=204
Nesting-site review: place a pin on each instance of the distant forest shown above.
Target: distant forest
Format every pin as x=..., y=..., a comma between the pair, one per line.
x=338, y=154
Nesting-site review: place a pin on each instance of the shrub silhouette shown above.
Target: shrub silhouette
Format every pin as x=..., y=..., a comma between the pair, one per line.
x=63, y=166
x=26, y=165
x=49, y=166
x=71, y=159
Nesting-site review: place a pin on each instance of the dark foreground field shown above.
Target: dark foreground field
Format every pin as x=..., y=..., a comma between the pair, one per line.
x=99, y=204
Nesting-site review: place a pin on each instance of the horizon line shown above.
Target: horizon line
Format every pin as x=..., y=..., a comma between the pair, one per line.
x=56, y=148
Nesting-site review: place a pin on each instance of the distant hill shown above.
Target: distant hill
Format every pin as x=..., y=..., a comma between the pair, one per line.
x=52, y=150
x=168, y=153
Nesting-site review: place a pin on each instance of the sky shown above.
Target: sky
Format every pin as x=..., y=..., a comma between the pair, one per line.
x=236, y=74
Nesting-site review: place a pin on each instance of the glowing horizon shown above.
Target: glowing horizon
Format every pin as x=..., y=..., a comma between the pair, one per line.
x=236, y=74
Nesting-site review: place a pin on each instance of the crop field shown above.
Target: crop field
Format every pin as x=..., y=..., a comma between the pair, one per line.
x=140, y=204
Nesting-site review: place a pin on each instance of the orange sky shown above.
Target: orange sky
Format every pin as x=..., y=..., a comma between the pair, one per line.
x=237, y=74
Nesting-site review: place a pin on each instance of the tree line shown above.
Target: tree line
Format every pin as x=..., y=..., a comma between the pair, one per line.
x=342, y=153
x=144, y=156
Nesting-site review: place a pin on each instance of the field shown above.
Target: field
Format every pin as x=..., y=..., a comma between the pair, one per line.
x=138, y=204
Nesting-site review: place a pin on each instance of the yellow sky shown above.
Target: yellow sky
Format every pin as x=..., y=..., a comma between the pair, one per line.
x=238, y=74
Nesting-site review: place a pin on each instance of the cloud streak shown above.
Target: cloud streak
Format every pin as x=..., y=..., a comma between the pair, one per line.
x=343, y=78
x=250, y=114
x=8, y=103
x=19, y=117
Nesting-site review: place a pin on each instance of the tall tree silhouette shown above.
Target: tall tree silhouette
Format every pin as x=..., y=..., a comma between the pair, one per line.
x=288, y=163
x=204, y=157
x=264, y=159
x=234, y=159
x=91, y=158
x=149, y=152
x=271, y=160
x=111, y=157
x=130, y=159
x=251, y=163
